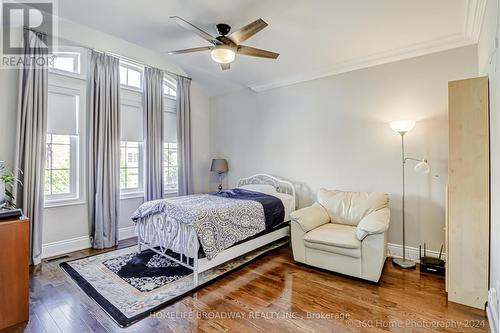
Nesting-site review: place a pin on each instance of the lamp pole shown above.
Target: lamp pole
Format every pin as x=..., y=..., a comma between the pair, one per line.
x=403, y=263
x=402, y=127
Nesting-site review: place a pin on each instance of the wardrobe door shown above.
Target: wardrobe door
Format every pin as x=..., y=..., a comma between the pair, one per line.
x=468, y=192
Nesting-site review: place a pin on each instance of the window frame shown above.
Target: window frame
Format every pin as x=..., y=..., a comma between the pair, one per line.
x=169, y=191
x=169, y=105
x=134, y=98
x=82, y=55
x=126, y=193
x=132, y=66
x=170, y=83
x=76, y=60
x=73, y=178
x=72, y=86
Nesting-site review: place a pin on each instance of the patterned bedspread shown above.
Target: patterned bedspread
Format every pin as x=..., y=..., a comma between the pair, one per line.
x=219, y=220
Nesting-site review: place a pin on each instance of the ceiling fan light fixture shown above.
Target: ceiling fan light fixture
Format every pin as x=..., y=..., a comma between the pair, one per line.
x=223, y=55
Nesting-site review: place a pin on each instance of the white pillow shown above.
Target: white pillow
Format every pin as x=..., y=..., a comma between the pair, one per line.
x=288, y=203
x=262, y=188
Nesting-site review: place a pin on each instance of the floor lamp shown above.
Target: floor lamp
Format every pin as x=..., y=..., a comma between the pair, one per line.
x=402, y=127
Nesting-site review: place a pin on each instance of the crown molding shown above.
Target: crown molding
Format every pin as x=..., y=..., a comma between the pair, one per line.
x=474, y=16
x=411, y=51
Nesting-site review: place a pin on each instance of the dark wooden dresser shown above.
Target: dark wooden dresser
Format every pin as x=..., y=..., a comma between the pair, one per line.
x=14, y=272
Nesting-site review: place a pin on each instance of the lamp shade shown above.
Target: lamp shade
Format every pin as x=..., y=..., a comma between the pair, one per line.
x=422, y=167
x=402, y=126
x=219, y=165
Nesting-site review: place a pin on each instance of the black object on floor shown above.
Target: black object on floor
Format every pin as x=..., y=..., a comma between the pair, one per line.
x=431, y=264
x=147, y=270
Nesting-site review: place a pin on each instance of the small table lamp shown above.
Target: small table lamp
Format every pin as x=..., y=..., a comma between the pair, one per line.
x=219, y=165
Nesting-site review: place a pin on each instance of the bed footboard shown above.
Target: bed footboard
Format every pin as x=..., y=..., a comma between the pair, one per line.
x=160, y=234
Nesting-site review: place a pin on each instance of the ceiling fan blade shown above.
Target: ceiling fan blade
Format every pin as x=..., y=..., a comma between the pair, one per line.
x=188, y=26
x=254, y=52
x=247, y=31
x=225, y=66
x=194, y=49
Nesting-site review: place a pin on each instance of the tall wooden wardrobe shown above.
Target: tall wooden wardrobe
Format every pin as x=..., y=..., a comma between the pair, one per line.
x=468, y=218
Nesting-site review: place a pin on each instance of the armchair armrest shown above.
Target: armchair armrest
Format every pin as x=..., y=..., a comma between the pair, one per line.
x=374, y=223
x=310, y=217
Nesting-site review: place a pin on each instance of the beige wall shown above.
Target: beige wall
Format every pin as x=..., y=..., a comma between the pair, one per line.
x=333, y=133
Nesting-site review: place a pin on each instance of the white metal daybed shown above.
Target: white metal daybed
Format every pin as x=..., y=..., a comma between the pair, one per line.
x=164, y=235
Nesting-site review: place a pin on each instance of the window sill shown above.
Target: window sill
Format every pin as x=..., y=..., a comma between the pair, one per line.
x=63, y=202
x=172, y=193
x=131, y=88
x=72, y=75
x=131, y=195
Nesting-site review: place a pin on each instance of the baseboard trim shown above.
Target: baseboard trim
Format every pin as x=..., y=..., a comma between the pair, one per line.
x=64, y=246
x=492, y=319
x=492, y=310
x=127, y=232
x=396, y=251
x=78, y=243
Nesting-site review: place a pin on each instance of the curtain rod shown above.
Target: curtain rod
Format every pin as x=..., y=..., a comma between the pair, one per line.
x=106, y=52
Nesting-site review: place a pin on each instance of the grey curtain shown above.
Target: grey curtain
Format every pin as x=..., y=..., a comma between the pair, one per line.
x=104, y=149
x=31, y=137
x=153, y=121
x=184, y=136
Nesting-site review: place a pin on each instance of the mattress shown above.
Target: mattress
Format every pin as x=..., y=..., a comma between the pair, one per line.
x=218, y=220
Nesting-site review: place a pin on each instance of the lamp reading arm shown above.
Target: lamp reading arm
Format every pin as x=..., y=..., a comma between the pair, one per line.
x=422, y=165
x=415, y=159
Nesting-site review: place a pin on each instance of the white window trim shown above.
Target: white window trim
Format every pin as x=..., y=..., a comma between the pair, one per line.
x=171, y=193
x=131, y=195
x=134, y=98
x=172, y=108
x=68, y=197
x=169, y=81
x=83, y=62
x=135, y=192
x=75, y=55
x=134, y=67
x=58, y=84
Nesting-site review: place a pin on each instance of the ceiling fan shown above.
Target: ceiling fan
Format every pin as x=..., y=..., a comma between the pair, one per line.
x=225, y=48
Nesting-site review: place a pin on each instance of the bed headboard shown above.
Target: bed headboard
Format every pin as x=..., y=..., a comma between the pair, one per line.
x=281, y=186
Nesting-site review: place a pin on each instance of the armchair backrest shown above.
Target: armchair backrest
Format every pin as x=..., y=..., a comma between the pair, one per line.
x=350, y=207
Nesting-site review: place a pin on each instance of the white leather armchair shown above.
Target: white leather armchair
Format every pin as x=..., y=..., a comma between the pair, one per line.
x=344, y=232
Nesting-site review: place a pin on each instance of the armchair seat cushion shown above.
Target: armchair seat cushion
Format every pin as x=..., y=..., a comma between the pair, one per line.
x=333, y=234
x=334, y=238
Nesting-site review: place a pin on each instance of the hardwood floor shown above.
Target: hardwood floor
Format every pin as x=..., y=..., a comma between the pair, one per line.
x=272, y=294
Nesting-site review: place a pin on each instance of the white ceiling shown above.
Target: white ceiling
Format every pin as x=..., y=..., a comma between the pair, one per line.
x=315, y=38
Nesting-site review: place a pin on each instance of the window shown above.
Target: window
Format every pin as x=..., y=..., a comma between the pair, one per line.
x=130, y=75
x=131, y=136
x=65, y=62
x=130, y=166
x=63, y=156
x=169, y=146
x=170, y=167
x=169, y=87
x=60, y=166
